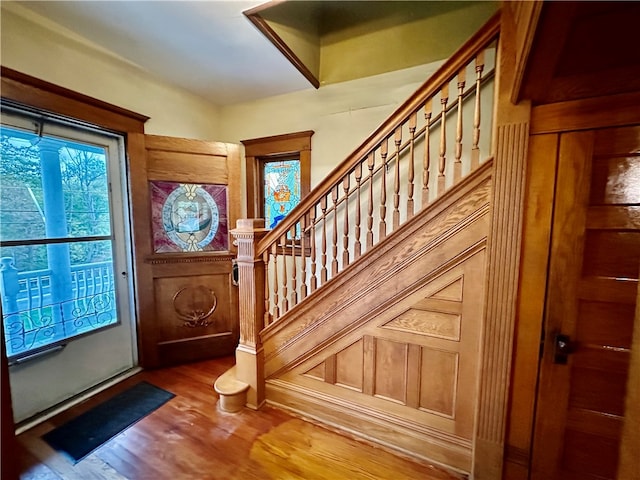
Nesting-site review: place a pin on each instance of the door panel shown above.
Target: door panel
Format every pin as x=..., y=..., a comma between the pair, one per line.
x=592, y=287
x=188, y=306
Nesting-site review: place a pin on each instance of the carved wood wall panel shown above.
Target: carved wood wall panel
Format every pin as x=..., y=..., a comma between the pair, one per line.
x=191, y=309
x=403, y=368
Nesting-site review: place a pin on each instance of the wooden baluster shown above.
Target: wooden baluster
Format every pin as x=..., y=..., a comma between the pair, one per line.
x=413, y=121
x=312, y=239
x=396, y=180
x=267, y=307
x=294, y=273
x=303, y=256
x=426, y=163
x=285, y=278
x=443, y=140
x=475, y=149
x=457, y=164
x=323, y=253
x=383, y=190
x=371, y=162
x=276, y=298
x=334, y=245
x=357, y=246
x=345, y=236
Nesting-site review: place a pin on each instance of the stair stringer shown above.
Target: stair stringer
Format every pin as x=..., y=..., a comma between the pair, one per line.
x=391, y=352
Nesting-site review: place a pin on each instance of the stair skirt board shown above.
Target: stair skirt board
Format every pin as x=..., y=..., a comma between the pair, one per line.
x=395, y=434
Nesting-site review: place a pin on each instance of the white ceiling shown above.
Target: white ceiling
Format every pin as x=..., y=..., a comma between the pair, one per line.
x=207, y=47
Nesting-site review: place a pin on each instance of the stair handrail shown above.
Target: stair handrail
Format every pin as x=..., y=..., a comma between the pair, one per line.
x=482, y=39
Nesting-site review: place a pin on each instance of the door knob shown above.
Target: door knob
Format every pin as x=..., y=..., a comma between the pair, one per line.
x=562, y=347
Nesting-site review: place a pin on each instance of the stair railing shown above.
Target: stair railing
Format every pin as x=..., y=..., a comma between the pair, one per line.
x=431, y=142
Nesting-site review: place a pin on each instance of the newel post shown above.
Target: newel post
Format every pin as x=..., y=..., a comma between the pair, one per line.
x=251, y=270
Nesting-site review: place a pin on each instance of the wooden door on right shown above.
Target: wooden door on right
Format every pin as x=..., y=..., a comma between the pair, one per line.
x=591, y=301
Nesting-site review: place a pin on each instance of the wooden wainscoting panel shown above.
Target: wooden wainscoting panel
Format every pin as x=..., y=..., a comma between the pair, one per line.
x=390, y=370
x=399, y=363
x=421, y=249
x=182, y=300
x=349, y=364
x=191, y=312
x=163, y=166
x=439, y=383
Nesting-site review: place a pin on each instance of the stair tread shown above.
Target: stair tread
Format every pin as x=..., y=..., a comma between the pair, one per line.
x=228, y=384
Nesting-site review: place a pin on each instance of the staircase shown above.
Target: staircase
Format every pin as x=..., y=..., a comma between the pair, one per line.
x=363, y=308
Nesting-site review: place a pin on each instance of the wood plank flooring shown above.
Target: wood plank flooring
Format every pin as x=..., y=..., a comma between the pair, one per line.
x=188, y=438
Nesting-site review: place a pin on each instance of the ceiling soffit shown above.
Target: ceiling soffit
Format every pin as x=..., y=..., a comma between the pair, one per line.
x=330, y=42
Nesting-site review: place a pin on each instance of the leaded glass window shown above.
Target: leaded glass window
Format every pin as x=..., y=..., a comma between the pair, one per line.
x=281, y=189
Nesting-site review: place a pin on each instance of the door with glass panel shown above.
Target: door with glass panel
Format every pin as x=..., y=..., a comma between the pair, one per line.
x=64, y=261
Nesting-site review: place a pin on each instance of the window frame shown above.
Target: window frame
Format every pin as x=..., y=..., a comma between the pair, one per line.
x=259, y=151
x=112, y=145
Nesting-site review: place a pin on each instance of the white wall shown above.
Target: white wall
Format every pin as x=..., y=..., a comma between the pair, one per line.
x=342, y=115
x=37, y=47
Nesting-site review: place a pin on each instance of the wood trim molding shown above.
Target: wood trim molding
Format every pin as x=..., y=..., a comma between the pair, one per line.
x=33, y=92
x=258, y=150
x=510, y=144
x=407, y=438
x=526, y=17
x=261, y=24
x=502, y=288
x=586, y=114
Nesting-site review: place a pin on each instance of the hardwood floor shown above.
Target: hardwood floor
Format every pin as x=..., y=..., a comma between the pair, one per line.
x=189, y=438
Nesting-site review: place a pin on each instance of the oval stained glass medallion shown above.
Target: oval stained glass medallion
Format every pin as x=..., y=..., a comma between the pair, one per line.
x=188, y=217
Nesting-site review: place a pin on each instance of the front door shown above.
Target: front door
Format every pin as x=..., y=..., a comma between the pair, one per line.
x=64, y=260
x=186, y=198
x=591, y=296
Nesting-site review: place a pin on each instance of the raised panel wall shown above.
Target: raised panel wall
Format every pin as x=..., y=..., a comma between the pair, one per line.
x=399, y=364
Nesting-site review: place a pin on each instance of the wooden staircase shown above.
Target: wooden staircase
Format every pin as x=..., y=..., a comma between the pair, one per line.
x=389, y=350
x=367, y=316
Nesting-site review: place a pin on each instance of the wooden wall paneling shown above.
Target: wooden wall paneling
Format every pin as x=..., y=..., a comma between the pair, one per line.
x=545, y=50
x=415, y=351
x=390, y=378
x=629, y=460
x=168, y=280
x=536, y=236
x=438, y=391
x=423, y=385
x=349, y=365
x=434, y=226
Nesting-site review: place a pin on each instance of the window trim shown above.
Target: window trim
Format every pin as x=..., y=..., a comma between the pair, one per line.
x=271, y=149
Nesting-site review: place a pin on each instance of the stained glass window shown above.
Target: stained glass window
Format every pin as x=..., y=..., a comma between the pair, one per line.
x=281, y=189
